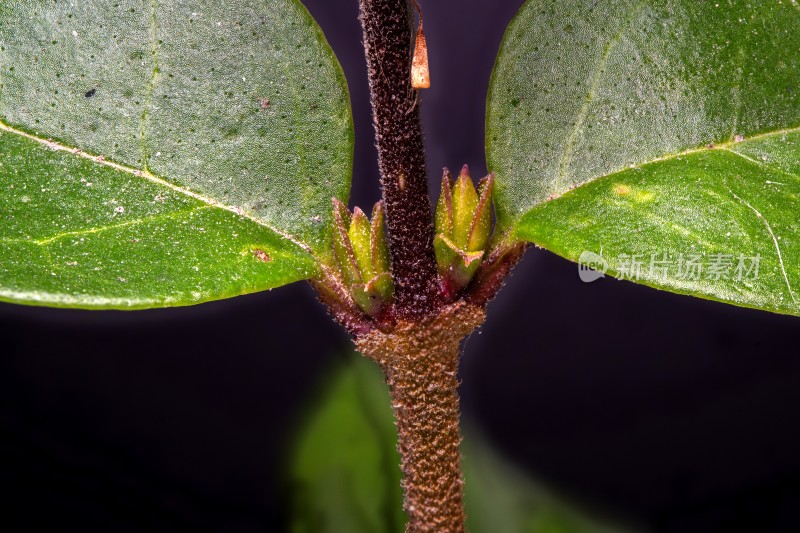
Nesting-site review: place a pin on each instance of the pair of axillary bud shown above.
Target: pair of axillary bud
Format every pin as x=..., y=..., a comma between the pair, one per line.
x=360, y=250
x=463, y=228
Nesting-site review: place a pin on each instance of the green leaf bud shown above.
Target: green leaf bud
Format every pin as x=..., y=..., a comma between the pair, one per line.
x=463, y=228
x=465, y=201
x=362, y=256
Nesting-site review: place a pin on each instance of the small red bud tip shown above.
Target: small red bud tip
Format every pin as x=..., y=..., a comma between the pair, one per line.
x=465, y=170
x=447, y=178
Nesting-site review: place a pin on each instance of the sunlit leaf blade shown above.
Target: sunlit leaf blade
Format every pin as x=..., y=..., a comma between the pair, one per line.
x=75, y=233
x=233, y=115
x=345, y=474
x=711, y=224
x=606, y=96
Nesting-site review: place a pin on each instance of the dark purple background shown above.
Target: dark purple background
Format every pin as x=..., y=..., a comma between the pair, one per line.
x=672, y=411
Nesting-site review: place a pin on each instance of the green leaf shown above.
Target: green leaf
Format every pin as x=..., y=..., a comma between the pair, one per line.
x=165, y=152
x=500, y=499
x=345, y=473
x=676, y=122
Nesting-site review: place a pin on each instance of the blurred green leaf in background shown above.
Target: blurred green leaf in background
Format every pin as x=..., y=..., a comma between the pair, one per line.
x=345, y=473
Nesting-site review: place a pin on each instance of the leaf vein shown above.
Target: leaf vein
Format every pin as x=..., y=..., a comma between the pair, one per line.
x=597, y=76
x=737, y=93
x=774, y=240
x=151, y=84
x=762, y=164
x=91, y=231
x=100, y=160
x=726, y=146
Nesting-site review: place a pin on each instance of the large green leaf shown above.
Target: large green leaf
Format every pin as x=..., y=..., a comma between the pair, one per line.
x=345, y=473
x=165, y=152
x=678, y=125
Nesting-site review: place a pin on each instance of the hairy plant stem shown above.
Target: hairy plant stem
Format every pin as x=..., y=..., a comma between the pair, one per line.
x=401, y=155
x=420, y=360
x=418, y=343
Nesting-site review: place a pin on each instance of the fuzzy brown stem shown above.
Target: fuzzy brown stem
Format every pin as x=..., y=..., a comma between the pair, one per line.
x=420, y=360
x=401, y=156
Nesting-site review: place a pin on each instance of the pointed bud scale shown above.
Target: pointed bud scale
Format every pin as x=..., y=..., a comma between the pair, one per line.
x=465, y=201
x=340, y=211
x=381, y=284
x=359, y=234
x=482, y=221
x=444, y=207
x=342, y=249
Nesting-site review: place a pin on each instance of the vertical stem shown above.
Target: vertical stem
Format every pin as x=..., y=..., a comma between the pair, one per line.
x=425, y=404
x=420, y=360
x=401, y=156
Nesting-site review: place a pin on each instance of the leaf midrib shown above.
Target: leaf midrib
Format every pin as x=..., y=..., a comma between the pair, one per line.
x=146, y=174
x=723, y=147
